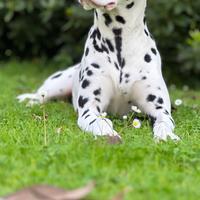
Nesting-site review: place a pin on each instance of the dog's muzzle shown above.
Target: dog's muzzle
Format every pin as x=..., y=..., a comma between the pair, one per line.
x=107, y=4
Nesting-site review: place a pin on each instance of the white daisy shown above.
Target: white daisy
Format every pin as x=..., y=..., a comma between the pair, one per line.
x=125, y=117
x=59, y=130
x=135, y=109
x=178, y=102
x=136, y=123
x=104, y=114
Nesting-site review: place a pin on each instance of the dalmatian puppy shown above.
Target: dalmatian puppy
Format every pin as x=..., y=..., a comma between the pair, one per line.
x=121, y=67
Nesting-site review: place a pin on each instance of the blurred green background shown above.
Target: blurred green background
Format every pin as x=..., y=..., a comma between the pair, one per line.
x=55, y=31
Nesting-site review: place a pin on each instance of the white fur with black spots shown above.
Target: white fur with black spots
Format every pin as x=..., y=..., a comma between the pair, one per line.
x=121, y=67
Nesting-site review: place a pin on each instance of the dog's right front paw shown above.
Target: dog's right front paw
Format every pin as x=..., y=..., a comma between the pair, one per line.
x=98, y=126
x=102, y=127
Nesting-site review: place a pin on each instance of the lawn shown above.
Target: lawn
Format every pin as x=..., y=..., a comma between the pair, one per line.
x=72, y=159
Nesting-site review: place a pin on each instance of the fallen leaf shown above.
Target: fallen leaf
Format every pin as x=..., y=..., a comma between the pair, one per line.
x=114, y=140
x=42, y=192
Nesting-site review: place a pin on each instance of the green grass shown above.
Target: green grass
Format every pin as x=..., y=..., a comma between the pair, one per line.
x=72, y=159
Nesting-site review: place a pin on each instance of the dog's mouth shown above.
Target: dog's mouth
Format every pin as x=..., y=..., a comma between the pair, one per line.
x=110, y=6
x=107, y=4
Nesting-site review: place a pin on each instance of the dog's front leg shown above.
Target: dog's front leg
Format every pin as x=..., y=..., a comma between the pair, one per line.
x=151, y=96
x=91, y=100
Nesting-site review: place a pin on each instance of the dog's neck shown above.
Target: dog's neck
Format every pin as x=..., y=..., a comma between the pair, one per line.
x=131, y=24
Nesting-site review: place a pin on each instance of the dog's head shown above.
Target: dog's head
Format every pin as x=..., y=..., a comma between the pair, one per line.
x=104, y=4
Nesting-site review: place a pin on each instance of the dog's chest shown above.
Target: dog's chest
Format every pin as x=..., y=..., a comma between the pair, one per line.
x=121, y=56
x=121, y=103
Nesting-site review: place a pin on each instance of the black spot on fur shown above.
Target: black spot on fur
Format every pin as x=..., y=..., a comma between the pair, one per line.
x=98, y=34
x=82, y=101
x=97, y=99
x=96, y=14
x=98, y=109
x=56, y=76
x=89, y=73
x=151, y=98
x=92, y=122
x=127, y=75
x=123, y=63
x=87, y=51
x=120, y=19
x=166, y=112
x=95, y=65
x=160, y=100
x=85, y=112
x=130, y=5
x=154, y=51
x=147, y=58
x=85, y=83
x=116, y=66
x=87, y=116
x=108, y=19
x=117, y=31
x=97, y=92
x=121, y=75
x=110, y=46
x=146, y=32
x=158, y=107
x=81, y=76
x=118, y=44
x=144, y=78
x=109, y=60
x=104, y=48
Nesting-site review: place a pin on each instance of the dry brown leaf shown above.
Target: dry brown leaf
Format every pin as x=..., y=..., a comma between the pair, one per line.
x=114, y=140
x=42, y=192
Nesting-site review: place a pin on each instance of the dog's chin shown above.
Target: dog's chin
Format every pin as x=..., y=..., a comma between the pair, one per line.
x=110, y=6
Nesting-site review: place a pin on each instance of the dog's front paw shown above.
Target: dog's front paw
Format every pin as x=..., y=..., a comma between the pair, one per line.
x=162, y=132
x=31, y=98
x=102, y=127
x=98, y=126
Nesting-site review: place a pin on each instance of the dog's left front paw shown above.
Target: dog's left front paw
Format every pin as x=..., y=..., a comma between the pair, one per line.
x=162, y=132
x=32, y=99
